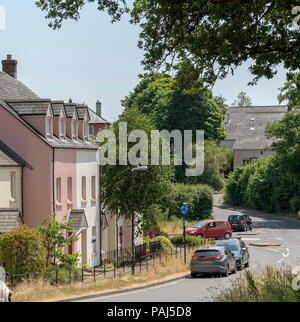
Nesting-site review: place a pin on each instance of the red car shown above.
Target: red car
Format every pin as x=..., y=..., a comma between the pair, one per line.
x=218, y=229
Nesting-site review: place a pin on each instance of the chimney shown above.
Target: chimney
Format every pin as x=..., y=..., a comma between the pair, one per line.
x=99, y=108
x=9, y=66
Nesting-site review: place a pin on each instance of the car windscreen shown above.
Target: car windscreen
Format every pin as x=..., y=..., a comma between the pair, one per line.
x=235, y=218
x=199, y=224
x=207, y=253
x=230, y=246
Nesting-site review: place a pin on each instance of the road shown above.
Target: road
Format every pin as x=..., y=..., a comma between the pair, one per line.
x=270, y=230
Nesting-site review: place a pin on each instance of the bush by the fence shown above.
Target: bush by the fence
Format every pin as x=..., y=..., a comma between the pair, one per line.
x=192, y=240
x=23, y=250
x=164, y=241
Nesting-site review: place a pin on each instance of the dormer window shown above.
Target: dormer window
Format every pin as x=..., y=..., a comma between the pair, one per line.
x=61, y=128
x=48, y=127
x=74, y=129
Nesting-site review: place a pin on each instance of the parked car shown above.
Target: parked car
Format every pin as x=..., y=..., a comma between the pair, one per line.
x=5, y=292
x=240, y=222
x=211, y=229
x=214, y=260
x=239, y=249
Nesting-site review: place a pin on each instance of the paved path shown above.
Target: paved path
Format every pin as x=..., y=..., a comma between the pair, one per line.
x=269, y=229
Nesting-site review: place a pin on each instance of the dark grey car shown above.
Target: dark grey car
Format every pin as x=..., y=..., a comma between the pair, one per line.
x=239, y=249
x=240, y=222
x=214, y=260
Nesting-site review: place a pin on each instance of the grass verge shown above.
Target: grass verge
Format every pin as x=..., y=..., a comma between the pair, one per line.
x=267, y=285
x=174, y=226
x=40, y=290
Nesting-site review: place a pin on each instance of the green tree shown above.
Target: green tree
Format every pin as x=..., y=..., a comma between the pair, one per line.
x=23, y=250
x=216, y=36
x=287, y=147
x=177, y=104
x=56, y=237
x=242, y=100
x=291, y=90
x=149, y=186
x=217, y=162
x=220, y=101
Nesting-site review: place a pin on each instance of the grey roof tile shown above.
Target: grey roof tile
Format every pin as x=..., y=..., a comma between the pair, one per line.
x=9, y=219
x=80, y=219
x=239, y=122
x=95, y=118
x=11, y=88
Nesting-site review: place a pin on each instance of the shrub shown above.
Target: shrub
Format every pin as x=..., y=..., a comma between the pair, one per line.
x=23, y=251
x=164, y=241
x=198, y=197
x=196, y=241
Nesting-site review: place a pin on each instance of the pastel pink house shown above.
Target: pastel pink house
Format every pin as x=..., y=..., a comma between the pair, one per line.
x=53, y=138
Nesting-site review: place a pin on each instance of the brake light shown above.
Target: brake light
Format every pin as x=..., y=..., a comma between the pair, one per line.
x=195, y=257
x=219, y=257
x=242, y=222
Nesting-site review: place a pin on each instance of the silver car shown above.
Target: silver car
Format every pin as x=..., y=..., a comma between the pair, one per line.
x=214, y=260
x=5, y=292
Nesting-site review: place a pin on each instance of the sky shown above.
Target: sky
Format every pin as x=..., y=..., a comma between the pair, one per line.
x=94, y=59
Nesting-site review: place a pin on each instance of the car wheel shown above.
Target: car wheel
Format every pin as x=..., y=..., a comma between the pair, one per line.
x=200, y=236
x=193, y=275
x=241, y=265
x=226, y=273
x=247, y=264
x=235, y=269
x=227, y=236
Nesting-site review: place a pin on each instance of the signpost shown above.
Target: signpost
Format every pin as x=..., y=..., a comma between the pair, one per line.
x=184, y=210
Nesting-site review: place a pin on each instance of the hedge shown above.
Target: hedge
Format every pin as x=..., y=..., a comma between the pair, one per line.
x=198, y=197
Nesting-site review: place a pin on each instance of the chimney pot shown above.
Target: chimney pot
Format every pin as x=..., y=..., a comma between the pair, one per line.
x=99, y=108
x=9, y=66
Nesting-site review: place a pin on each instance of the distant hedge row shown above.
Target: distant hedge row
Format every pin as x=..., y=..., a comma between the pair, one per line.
x=199, y=199
x=264, y=184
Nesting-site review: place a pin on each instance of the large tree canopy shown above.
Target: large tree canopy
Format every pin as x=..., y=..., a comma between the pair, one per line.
x=150, y=185
x=291, y=90
x=171, y=106
x=215, y=35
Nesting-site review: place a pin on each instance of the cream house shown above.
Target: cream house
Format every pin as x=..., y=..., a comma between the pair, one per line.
x=11, y=174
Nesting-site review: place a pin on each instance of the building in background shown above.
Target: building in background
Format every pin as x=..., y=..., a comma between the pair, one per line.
x=245, y=127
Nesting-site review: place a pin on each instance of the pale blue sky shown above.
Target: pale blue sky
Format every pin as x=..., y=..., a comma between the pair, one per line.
x=93, y=59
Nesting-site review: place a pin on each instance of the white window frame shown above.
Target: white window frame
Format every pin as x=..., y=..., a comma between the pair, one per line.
x=48, y=127
x=13, y=185
x=74, y=129
x=61, y=128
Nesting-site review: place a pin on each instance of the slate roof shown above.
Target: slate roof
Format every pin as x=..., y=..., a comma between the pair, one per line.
x=81, y=110
x=56, y=107
x=25, y=107
x=9, y=219
x=95, y=118
x=70, y=108
x=79, y=216
x=246, y=125
x=11, y=88
x=8, y=157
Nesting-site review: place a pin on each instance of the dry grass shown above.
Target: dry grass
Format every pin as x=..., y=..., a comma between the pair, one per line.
x=40, y=290
x=174, y=226
x=268, y=285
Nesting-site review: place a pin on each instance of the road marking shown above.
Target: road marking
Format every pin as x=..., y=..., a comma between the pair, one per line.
x=251, y=239
x=284, y=256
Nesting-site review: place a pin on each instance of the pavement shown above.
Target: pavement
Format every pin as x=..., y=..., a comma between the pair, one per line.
x=274, y=241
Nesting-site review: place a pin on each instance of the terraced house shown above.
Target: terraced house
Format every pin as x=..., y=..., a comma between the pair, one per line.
x=56, y=159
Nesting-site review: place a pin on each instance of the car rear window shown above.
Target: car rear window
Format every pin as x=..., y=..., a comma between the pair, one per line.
x=230, y=245
x=235, y=217
x=207, y=253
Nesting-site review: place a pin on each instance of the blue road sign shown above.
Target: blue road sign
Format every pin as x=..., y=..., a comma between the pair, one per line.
x=184, y=209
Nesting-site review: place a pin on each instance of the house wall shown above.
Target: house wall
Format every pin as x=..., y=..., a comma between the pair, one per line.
x=87, y=166
x=240, y=155
x=64, y=167
x=5, y=188
x=37, y=122
x=37, y=192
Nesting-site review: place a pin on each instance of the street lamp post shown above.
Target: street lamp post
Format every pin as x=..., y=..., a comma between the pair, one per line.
x=140, y=168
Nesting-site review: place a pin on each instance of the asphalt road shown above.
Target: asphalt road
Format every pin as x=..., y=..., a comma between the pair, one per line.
x=271, y=230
